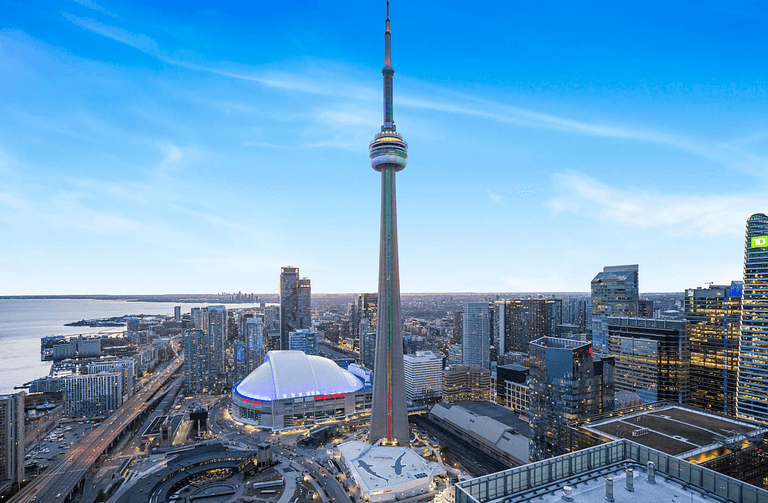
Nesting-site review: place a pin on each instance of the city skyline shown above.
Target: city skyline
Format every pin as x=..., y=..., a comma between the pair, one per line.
x=175, y=148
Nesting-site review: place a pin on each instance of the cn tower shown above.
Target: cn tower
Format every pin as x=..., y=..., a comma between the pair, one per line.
x=389, y=416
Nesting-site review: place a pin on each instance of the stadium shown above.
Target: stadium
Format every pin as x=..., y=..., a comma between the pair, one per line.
x=293, y=390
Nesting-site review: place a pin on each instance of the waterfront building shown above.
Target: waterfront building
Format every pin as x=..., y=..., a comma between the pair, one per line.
x=562, y=389
x=199, y=318
x=652, y=357
x=714, y=316
x=752, y=387
x=177, y=314
x=423, y=376
x=614, y=293
x=304, y=310
x=304, y=340
x=12, y=448
x=293, y=390
x=92, y=395
x=466, y=382
x=125, y=366
x=197, y=361
x=476, y=341
x=289, y=303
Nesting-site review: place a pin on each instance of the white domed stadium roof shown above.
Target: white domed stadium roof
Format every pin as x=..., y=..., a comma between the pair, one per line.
x=290, y=374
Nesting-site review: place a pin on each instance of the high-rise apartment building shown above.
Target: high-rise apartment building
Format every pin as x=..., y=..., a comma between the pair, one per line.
x=177, y=314
x=544, y=315
x=125, y=366
x=614, y=293
x=714, y=316
x=458, y=326
x=365, y=309
x=304, y=339
x=197, y=361
x=562, y=389
x=752, y=387
x=367, y=349
x=509, y=327
x=289, y=303
x=423, y=376
x=12, y=439
x=92, y=395
x=218, y=332
x=255, y=345
x=476, y=341
x=652, y=357
x=576, y=312
x=304, y=312
x=272, y=318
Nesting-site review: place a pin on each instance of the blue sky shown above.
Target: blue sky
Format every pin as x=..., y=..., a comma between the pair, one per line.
x=164, y=147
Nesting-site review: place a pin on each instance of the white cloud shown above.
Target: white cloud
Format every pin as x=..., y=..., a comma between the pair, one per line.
x=95, y=6
x=730, y=154
x=137, y=41
x=680, y=215
x=494, y=197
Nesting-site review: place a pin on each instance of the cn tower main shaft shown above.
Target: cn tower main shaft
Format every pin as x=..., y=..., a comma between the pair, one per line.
x=389, y=152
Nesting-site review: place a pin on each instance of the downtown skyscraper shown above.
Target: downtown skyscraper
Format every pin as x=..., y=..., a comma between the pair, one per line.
x=388, y=152
x=295, y=303
x=752, y=387
x=614, y=293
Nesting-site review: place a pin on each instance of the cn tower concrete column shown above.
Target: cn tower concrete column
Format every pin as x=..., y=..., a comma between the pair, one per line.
x=389, y=415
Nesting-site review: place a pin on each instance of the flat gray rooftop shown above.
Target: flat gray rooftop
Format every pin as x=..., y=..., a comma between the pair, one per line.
x=674, y=430
x=494, y=411
x=593, y=490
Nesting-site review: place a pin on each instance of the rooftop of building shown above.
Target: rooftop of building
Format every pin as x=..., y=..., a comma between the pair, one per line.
x=585, y=473
x=675, y=430
x=559, y=343
x=422, y=356
x=494, y=411
x=378, y=468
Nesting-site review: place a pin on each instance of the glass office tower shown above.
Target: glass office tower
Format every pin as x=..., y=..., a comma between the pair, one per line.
x=713, y=316
x=752, y=387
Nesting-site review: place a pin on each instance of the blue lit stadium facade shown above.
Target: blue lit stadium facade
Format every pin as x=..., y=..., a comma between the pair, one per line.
x=294, y=390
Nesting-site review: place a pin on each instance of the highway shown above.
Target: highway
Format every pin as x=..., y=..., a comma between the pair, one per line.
x=61, y=478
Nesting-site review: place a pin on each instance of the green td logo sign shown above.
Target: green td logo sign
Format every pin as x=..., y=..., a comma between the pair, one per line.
x=760, y=242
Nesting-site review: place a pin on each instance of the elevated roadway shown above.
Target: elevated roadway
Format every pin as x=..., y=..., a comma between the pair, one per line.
x=61, y=478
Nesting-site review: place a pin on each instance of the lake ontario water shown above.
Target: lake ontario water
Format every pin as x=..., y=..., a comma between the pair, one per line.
x=24, y=321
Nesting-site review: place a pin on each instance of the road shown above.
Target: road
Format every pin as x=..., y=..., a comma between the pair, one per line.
x=58, y=481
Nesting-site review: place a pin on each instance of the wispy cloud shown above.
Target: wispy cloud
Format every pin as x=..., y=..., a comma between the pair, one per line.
x=496, y=198
x=138, y=41
x=94, y=6
x=730, y=154
x=680, y=215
